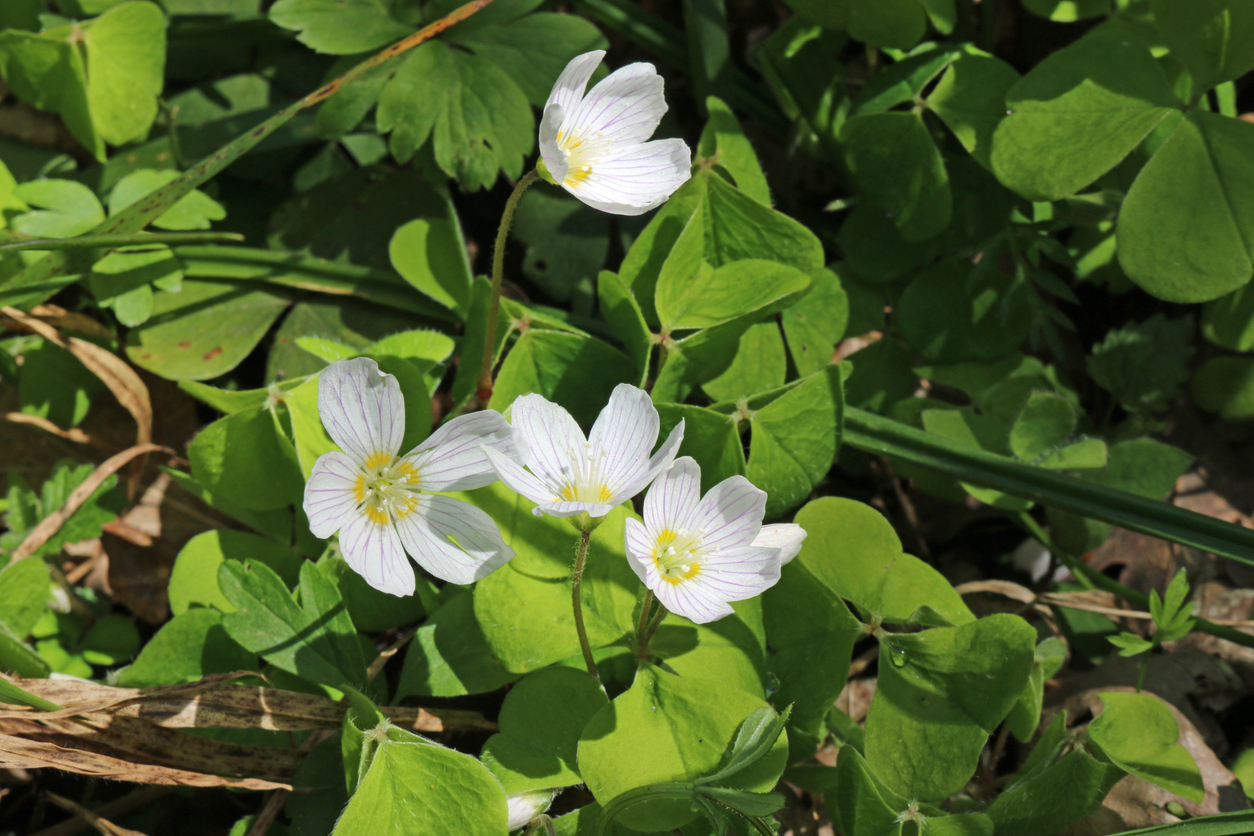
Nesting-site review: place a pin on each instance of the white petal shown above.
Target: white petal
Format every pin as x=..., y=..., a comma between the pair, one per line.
x=731, y=513
x=453, y=540
x=525, y=806
x=551, y=437
x=569, y=87
x=555, y=159
x=737, y=574
x=787, y=537
x=624, y=433
x=517, y=479
x=374, y=551
x=639, y=547
x=661, y=460
x=362, y=408
x=633, y=180
x=331, y=493
x=673, y=497
x=692, y=602
x=452, y=459
x=572, y=509
x=625, y=107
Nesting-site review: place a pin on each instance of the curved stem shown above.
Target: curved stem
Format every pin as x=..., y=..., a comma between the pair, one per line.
x=498, y=269
x=577, y=605
x=662, y=612
x=643, y=625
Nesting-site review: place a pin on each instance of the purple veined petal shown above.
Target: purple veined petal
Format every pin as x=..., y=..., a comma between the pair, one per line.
x=737, y=574
x=555, y=159
x=374, y=551
x=517, y=479
x=524, y=806
x=331, y=494
x=673, y=497
x=452, y=458
x=639, y=547
x=453, y=540
x=787, y=537
x=625, y=107
x=569, y=88
x=623, y=435
x=633, y=180
x=571, y=509
x=552, y=438
x=362, y=408
x=730, y=515
x=660, y=461
x=693, y=602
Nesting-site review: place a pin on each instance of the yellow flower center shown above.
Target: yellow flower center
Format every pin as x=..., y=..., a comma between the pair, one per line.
x=582, y=153
x=386, y=488
x=678, y=555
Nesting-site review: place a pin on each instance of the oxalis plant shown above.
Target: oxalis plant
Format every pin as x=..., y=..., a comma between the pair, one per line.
x=565, y=549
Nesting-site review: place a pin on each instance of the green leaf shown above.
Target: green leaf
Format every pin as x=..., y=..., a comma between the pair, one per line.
x=970, y=99
x=705, y=22
x=1226, y=385
x=194, y=211
x=125, y=69
x=619, y=308
x=112, y=640
x=54, y=384
x=669, y=728
x=793, y=440
x=574, y=370
x=1025, y=716
x=853, y=551
x=231, y=401
x=188, y=647
x=973, y=431
x=47, y=71
x=124, y=279
x=757, y=736
x=1214, y=39
x=1078, y=113
x=814, y=326
x=870, y=808
x=875, y=249
x=724, y=144
x=1143, y=365
x=430, y=254
x=541, y=720
x=25, y=510
x=247, y=457
x=371, y=610
x=1068, y=11
x=811, y=636
x=24, y=590
x=204, y=330
x=706, y=298
x=340, y=27
x=13, y=695
x=1138, y=733
x=418, y=788
x=1043, y=425
x=886, y=23
x=316, y=641
x=759, y=365
x=194, y=578
x=1130, y=644
x=17, y=657
x=898, y=168
x=710, y=437
x=566, y=242
x=346, y=321
x=449, y=656
x=944, y=690
x=68, y=209
x=727, y=652
x=950, y=313
x=1223, y=824
x=1229, y=320
x=1185, y=229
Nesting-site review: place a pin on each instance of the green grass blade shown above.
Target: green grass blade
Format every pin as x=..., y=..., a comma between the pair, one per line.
x=111, y=241
x=1224, y=824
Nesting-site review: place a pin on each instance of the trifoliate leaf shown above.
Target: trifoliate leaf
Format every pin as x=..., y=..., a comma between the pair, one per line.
x=25, y=509
x=1143, y=364
x=194, y=211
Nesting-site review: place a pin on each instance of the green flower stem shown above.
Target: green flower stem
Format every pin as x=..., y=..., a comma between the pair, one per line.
x=580, y=559
x=662, y=612
x=494, y=301
x=1096, y=580
x=644, y=621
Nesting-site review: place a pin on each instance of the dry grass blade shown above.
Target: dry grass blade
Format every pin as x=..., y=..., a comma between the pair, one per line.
x=101, y=824
x=72, y=434
x=50, y=524
x=141, y=797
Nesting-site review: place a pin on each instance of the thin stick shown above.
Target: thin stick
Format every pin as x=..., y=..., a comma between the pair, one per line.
x=577, y=604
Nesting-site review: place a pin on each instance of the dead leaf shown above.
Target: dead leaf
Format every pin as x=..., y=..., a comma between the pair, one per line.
x=101, y=824
x=72, y=434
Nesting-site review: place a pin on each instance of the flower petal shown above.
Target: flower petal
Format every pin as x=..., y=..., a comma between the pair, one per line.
x=673, y=497
x=452, y=458
x=517, y=479
x=374, y=551
x=555, y=159
x=660, y=461
x=623, y=435
x=331, y=493
x=572, y=509
x=692, y=602
x=453, y=540
x=787, y=537
x=625, y=107
x=570, y=85
x=633, y=180
x=639, y=547
x=551, y=437
x=362, y=408
x=731, y=513
x=731, y=575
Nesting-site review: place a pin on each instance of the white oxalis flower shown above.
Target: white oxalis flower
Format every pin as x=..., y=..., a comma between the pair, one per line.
x=569, y=474
x=697, y=554
x=381, y=503
x=525, y=806
x=594, y=146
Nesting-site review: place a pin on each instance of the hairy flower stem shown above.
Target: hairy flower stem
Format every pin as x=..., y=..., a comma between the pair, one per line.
x=577, y=605
x=484, y=389
x=662, y=612
x=642, y=646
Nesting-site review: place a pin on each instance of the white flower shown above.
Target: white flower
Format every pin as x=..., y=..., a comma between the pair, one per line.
x=570, y=474
x=698, y=554
x=787, y=537
x=380, y=502
x=594, y=146
x=525, y=806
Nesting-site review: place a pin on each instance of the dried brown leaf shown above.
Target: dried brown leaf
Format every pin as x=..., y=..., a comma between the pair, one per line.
x=101, y=824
